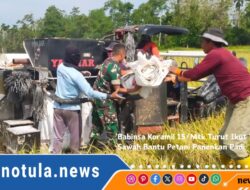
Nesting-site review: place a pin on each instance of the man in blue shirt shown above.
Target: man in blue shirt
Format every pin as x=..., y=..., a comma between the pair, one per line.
x=70, y=84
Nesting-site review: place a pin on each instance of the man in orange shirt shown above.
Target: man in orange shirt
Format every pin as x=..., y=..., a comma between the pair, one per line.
x=147, y=46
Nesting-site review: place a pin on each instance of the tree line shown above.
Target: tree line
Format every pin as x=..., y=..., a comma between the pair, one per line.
x=232, y=16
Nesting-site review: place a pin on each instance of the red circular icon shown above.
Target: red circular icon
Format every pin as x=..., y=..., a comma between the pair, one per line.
x=143, y=179
x=191, y=179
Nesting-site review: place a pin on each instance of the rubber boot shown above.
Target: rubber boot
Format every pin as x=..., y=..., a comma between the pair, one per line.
x=226, y=160
x=245, y=163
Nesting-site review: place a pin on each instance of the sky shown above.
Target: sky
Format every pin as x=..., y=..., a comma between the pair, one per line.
x=13, y=10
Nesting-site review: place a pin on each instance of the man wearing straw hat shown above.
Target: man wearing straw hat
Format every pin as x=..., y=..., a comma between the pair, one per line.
x=234, y=81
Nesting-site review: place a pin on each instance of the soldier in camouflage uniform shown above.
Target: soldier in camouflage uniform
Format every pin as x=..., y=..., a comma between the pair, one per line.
x=108, y=81
x=105, y=111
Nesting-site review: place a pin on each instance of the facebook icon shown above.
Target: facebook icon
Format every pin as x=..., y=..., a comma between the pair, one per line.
x=155, y=179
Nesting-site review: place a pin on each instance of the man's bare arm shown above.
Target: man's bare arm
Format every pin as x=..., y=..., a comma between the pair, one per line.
x=125, y=90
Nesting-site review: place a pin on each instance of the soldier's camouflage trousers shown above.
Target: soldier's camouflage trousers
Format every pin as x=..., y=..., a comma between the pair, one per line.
x=105, y=118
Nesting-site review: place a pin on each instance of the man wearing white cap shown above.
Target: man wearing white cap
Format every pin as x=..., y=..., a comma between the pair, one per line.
x=234, y=81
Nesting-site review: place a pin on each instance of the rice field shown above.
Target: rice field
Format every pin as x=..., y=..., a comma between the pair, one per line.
x=178, y=157
x=186, y=158
x=198, y=133
x=241, y=52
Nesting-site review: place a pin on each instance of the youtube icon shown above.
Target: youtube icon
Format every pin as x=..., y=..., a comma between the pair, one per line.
x=191, y=179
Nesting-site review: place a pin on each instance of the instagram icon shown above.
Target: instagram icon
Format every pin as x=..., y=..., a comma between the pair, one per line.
x=131, y=179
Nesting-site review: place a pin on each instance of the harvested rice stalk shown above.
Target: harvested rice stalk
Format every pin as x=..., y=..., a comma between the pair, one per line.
x=18, y=85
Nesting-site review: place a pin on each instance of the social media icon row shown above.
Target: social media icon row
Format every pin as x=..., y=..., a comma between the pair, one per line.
x=168, y=179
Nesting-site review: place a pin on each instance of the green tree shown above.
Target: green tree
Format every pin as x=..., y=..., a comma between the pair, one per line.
x=3, y=37
x=119, y=12
x=26, y=30
x=98, y=24
x=239, y=3
x=240, y=34
x=197, y=16
x=11, y=42
x=245, y=18
x=12, y=37
x=149, y=12
x=75, y=24
x=53, y=23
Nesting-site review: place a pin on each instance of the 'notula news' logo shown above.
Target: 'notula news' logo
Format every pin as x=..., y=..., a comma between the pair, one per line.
x=243, y=180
